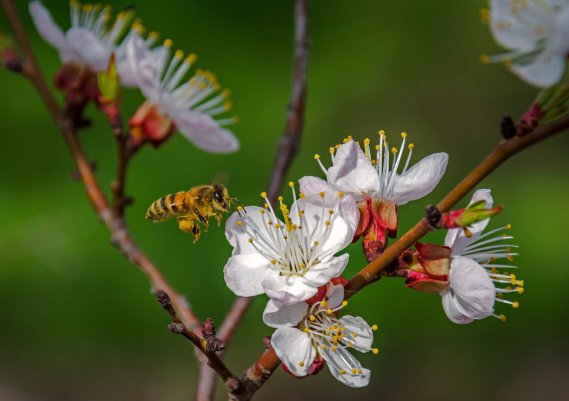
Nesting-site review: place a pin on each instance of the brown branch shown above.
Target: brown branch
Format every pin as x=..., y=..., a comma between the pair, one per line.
x=285, y=153
x=120, y=235
x=500, y=154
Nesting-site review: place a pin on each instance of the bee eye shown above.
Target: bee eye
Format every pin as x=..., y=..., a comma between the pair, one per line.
x=218, y=196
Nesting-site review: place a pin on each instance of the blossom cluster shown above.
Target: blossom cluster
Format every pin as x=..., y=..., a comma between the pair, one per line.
x=173, y=101
x=297, y=255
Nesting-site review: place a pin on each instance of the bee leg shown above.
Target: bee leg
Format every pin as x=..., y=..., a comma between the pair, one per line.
x=202, y=219
x=219, y=217
x=196, y=232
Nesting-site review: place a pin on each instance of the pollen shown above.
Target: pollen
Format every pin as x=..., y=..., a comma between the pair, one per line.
x=316, y=156
x=502, y=318
x=411, y=146
x=306, y=330
x=484, y=59
x=354, y=371
x=515, y=305
x=179, y=54
x=250, y=240
x=273, y=262
x=329, y=311
x=520, y=290
x=168, y=43
x=342, y=372
x=323, y=303
x=316, y=243
x=327, y=223
x=240, y=223
x=301, y=364
x=280, y=198
x=262, y=211
x=366, y=141
x=323, y=346
x=403, y=135
x=340, y=194
x=322, y=194
x=153, y=35
x=263, y=195
x=374, y=327
x=375, y=351
x=312, y=318
x=394, y=150
x=330, y=211
x=332, y=150
x=344, y=303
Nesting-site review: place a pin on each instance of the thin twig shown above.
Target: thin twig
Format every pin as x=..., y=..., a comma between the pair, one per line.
x=120, y=235
x=285, y=153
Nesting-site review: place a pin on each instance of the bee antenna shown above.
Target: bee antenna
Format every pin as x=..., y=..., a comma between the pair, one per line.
x=240, y=204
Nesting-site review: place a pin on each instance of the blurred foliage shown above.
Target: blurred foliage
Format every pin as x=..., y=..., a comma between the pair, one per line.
x=78, y=322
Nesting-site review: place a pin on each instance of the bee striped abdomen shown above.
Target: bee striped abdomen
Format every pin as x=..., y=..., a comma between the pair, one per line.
x=167, y=206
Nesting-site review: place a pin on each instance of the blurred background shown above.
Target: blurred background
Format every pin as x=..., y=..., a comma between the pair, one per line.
x=79, y=323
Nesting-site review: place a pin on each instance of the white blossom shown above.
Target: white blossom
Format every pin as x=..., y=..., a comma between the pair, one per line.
x=384, y=173
x=304, y=332
x=537, y=34
x=90, y=40
x=288, y=260
x=472, y=290
x=192, y=105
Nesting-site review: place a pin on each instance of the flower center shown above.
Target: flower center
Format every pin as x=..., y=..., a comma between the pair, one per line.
x=295, y=246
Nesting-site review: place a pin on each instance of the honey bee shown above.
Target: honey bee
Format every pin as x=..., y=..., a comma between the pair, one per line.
x=190, y=207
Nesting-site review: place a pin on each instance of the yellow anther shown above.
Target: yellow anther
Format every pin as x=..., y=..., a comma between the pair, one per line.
x=332, y=150
x=306, y=330
x=323, y=346
x=153, y=35
x=350, y=344
x=192, y=58
x=330, y=211
x=301, y=364
x=327, y=223
x=280, y=198
x=291, y=184
x=515, y=305
x=374, y=327
x=301, y=195
x=228, y=105
x=316, y=156
x=354, y=371
x=322, y=194
x=508, y=227
x=168, y=43
x=278, y=225
x=502, y=318
x=381, y=132
x=377, y=147
x=354, y=334
x=520, y=290
x=484, y=58
x=342, y=372
x=179, y=54
x=262, y=211
x=394, y=150
x=359, y=371
x=250, y=240
x=240, y=208
x=375, y=351
x=367, y=141
x=344, y=303
x=312, y=318
x=240, y=223
x=403, y=135
x=340, y=194
x=273, y=262
x=323, y=303
x=302, y=265
x=333, y=348
x=263, y=194
x=411, y=146
x=266, y=206
x=329, y=311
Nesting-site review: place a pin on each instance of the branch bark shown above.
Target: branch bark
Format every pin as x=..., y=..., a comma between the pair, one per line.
x=286, y=151
x=120, y=236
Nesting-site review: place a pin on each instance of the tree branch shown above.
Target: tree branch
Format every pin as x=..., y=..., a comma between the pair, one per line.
x=286, y=151
x=120, y=235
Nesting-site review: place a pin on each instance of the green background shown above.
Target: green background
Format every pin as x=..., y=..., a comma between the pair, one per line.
x=79, y=323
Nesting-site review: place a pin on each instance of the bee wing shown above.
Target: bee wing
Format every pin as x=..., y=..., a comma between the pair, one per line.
x=222, y=177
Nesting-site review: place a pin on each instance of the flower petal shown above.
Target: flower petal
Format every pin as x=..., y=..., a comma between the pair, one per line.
x=323, y=272
x=353, y=172
x=453, y=310
x=204, y=132
x=88, y=48
x=313, y=185
x=358, y=333
x=472, y=287
x=277, y=315
x=544, y=71
x=333, y=237
x=334, y=294
x=244, y=274
x=419, y=180
x=46, y=27
x=341, y=364
x=456, y=239
x=253, y=221
x=288, y=290
x=294, y=349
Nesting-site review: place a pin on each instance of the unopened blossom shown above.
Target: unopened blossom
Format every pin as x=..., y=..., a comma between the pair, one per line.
x=379, y=179
x=288, y=259
x=192, y=106
x=90, y=40
x=537, y=34
x=306, y=334
x=475, y=282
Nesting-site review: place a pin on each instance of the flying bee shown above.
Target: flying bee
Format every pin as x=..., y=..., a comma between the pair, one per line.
x=190, y=207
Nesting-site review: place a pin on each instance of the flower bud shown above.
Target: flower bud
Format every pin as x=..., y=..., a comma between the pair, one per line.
x=378, y=222
x=468, y=216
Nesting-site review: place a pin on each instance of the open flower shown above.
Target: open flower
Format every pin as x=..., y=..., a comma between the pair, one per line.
x=305, y=333
x=537, y=32
x=472, y=289
x=90, y=40
x=288, y=260
x=174, y=102
x=379, y=181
